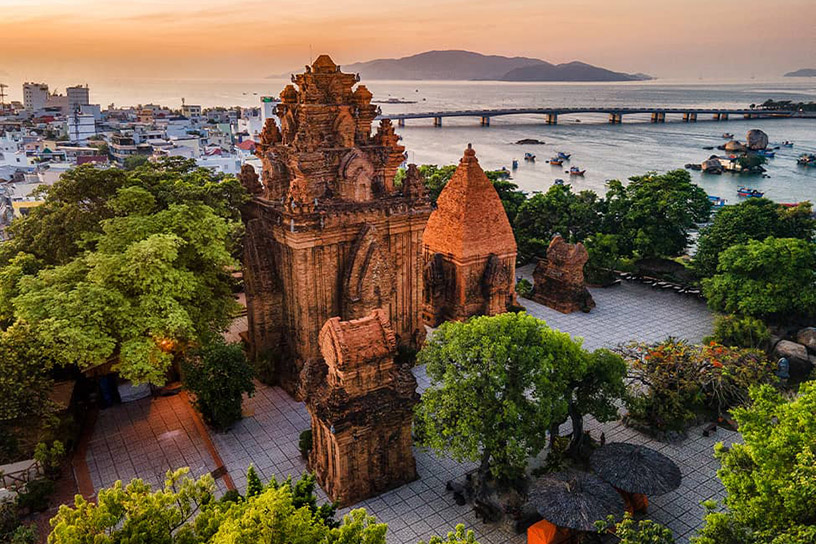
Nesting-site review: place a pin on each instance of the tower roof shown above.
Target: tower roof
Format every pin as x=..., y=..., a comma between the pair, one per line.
x=470, y=219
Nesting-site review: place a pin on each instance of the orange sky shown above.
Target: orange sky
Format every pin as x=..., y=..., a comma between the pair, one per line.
x=78, y=40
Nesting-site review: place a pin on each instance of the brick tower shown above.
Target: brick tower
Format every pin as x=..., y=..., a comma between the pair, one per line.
x=327, y=232
x=469, y=251
x=361, y=402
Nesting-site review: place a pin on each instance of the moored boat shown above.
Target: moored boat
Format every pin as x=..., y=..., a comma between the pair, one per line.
x=559, y=181
x=750, y=193
x=728, y=136
x=529, y=157
x=787, y=143
x=716, y=201
x=808, y=159
x=563, y=156
x=515, y=164
x=555, y=161
x=575, y=171
x=766, y=153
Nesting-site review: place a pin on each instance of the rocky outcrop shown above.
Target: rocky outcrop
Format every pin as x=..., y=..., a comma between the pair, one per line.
x=712, y=165
x=797, y=356
x=469, y=251
x=734, y=146
x=807, y=337
x=756, y=139
x=559, y=279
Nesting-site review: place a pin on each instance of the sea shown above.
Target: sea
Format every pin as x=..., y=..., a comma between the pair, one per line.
x=605, y=151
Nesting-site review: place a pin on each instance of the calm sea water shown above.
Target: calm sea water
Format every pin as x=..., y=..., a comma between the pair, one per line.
x=605, y=151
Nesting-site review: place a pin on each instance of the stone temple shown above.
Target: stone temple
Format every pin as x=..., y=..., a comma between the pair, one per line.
x=469, y=250
x=328, y=234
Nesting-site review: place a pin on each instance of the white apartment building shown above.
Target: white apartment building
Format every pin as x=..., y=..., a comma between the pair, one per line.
x=77, y=96
x=80, y=127
x=35, y=95
x=191, y=111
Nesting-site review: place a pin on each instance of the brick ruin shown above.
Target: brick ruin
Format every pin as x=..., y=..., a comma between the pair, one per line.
x=361, y=402
x=469, y=250
x=559, y=279
x=327, y=232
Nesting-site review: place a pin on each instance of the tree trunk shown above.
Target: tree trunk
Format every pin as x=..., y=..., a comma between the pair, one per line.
x=577, y=443
x=553, y=434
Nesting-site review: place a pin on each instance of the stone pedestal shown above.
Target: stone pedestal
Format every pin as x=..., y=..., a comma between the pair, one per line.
x=559, y=279
x=361, y=403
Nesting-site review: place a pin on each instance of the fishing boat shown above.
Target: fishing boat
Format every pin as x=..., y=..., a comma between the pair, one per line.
x=766, y=153
x=564, y=156
x=808, y=159
x=716, y=202
x=555, y=161
x=515, y=164
x=787, y=143
x=727, y=136
x=504, y=173
x=529, y=157
x=575, y=171
x=748, y=192
x=559, y=181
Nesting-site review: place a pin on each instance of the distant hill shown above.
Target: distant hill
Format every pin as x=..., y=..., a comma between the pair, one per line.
x=571, y=71
x=466, y=65
x=804, y=72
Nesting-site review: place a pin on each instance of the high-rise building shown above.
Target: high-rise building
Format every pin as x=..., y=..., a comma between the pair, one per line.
x=77, y=96
x=35, y=95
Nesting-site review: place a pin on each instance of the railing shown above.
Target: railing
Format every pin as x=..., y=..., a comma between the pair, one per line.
x=19, y=477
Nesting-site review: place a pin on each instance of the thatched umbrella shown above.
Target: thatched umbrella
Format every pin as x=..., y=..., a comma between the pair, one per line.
x=636, y=469
x=575, y=500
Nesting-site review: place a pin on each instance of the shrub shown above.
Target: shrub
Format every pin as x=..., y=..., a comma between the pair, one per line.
x=524, y=288
x=741, y=331
x=673, y=381
x=305, y=442
x=604, y=257
x=37, y=495
x=630, y=531
x=218, y=374
x=50, y=459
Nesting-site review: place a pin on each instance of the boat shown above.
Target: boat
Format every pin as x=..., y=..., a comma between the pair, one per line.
x=529, y=157
x=716, y=202
x=575, y=171
x=789, y=204
x=515, y=164
x=766, y=153
x=808, y=159
x=559, y=181
x=504, y=173
x=564, y=156
x=555, y=161
x=787, y=143
x=748, y=192
x=727, y=136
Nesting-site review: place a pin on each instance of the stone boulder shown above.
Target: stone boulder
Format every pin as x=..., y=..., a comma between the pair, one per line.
x=797, y=356
x=734, y=146
x=756, y=139
x=712, y=165
x=807, y=337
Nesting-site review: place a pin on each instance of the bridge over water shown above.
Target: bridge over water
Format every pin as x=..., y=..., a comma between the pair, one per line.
x=658, y=115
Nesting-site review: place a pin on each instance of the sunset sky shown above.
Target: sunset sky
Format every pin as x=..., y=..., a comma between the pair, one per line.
x=81, y=40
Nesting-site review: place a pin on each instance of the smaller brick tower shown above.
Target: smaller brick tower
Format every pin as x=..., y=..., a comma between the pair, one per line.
x=361, y=402
x=469, y=252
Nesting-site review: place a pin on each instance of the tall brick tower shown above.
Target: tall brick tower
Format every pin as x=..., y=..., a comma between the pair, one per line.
x=327, y=232
x=469, y=249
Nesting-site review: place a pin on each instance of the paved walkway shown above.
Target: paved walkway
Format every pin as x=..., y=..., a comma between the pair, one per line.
x=626, y=312
x=148, y=437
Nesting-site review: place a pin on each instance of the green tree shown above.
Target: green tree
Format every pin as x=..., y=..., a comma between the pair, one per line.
x=436, y=178
x=509, y=193
x=135, y=513
x=594, y=390
x=604, y=257
x=752, y=219
x=458, y=536
x=155, y=283
x=771, y=279
x=655, y=212
x=629, y=531
x=770, y=479
x=741, y=331
x=218, y=374
x=135, y=161
x=25, y=383
x=254, y=485
x=496, y=386
x=558, y=211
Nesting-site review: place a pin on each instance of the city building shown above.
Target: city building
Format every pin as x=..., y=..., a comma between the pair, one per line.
x=191, y=112
x=78, y=96
x=35, y=95
x=80, y=127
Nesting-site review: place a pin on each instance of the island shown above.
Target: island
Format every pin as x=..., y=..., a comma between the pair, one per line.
x=460, y=65
x=804, y=72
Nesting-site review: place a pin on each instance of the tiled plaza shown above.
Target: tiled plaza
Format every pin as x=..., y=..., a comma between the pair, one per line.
x=147, y=437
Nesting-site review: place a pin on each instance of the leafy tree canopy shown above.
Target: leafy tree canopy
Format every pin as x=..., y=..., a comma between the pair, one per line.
x=770, y=279
x=770, y=479
x=497, y=384
x=752, y=219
